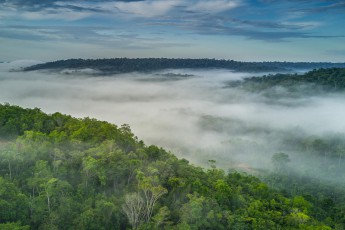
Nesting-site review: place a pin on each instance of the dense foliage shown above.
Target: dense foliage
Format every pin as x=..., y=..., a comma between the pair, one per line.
x=60, y=172
x=125, y=65
x=320, y=80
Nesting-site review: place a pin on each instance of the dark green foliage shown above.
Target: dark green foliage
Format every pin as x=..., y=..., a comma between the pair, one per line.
x=14, y=226
x=14, y=206
x=88, y=174
x=15, y=120
x=313, y=82
x=125, y=65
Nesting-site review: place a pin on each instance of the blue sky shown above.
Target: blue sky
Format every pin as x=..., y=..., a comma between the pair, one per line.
x=247, y=30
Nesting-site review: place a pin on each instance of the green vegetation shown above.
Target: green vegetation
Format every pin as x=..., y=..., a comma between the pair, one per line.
x=126, y=65
x=316, y=81
x=60, y=172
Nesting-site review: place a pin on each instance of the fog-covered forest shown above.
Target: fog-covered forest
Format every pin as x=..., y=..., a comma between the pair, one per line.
x=172, y=115
x=220, y=150
x=59, y=172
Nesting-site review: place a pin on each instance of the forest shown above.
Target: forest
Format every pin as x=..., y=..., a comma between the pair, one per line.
x=126, y=65
x=61, y=172
x=318, y=81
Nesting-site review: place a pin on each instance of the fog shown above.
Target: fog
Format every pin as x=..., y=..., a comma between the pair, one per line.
x=190, y=112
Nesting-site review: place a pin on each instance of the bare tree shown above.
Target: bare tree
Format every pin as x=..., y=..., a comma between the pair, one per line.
x=133, y=207
x=152, y=192
x=139, y=206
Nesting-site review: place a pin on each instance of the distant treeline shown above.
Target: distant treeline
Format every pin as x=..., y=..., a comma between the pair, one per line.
x=330, y=80
x=126, y=65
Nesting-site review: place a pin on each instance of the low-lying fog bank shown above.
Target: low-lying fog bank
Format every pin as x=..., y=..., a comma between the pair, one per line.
x=190, y=112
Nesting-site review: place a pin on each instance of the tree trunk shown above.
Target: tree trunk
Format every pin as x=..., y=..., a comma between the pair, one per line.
x=9, y=167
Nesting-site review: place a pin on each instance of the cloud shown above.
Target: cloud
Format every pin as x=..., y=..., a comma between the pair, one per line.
x=263, y=21
x=73, y=10
x=301, y=7
x=106, y=37
x=335, y=7
x=250, y=29
x=196, y=117
x=41, y=11
x=148, y=8
x=62, y=14
x=284, y=25
x=213, y=6
x=46, y=32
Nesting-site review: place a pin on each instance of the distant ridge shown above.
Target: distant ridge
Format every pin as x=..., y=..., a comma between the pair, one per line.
x=126, y=65
x=313, y=82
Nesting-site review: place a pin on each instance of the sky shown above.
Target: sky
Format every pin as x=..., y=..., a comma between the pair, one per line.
x=243, y=30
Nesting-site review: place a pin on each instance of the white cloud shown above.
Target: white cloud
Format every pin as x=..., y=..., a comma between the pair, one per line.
x=214, y=6
x=63, y=13
x=305, y=25
x=148, y=8
x=49, y=13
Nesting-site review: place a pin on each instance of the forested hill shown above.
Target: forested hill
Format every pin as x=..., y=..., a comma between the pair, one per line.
x=125, y=65
x=60, y=172
x=327, y=80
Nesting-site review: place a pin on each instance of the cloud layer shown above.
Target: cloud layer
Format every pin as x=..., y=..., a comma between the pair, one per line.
x=194, y=116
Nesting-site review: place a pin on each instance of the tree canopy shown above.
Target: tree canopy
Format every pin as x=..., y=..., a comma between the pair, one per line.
x=312, y=82
x=60, y=172
x=126, y=65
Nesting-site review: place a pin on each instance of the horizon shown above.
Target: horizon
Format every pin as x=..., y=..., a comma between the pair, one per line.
x=185, y=58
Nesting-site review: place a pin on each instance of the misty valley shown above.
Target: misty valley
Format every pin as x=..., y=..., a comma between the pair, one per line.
x=172, y=144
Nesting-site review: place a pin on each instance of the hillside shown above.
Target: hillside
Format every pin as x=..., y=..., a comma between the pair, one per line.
x=60, y=172
x=313, y=82
x=125, y=65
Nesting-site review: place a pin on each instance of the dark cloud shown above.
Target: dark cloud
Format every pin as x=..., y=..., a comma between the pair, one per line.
x=48, y=32
x=38, y=5
x=335, y=6
x=258, y=23
x=50, y=2
x=251, y=29
x=88, y=35
x=276, y=36
x=309, y=6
